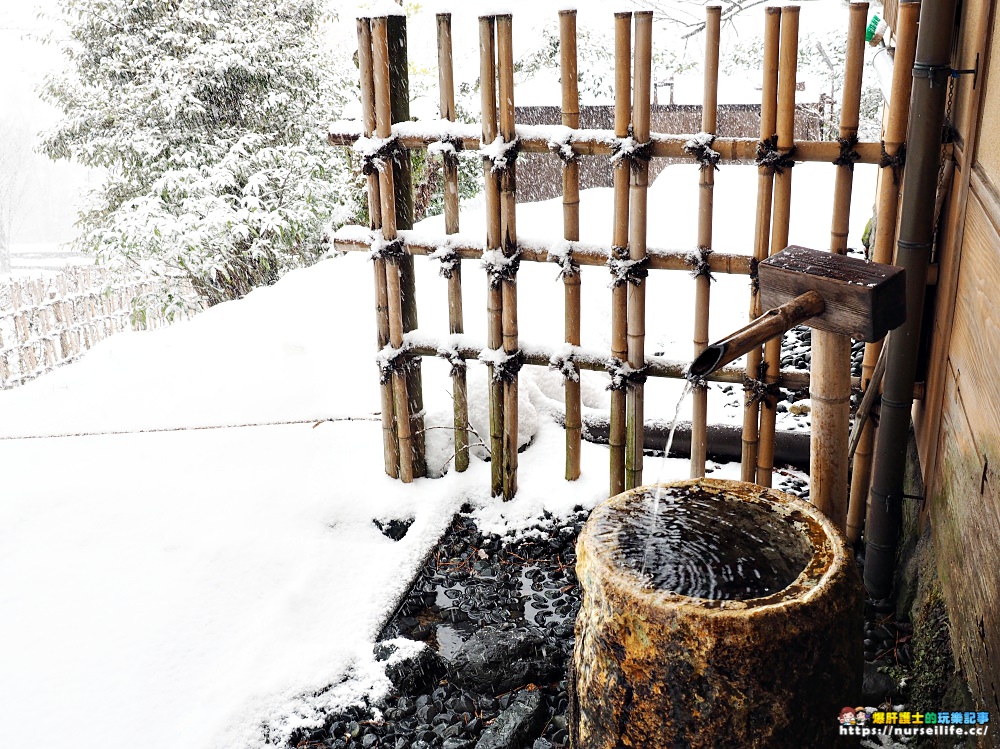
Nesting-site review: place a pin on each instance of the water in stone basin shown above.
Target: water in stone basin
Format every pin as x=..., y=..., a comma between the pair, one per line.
x=707, y=545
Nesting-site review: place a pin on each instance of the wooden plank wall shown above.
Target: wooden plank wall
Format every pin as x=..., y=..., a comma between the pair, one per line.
x=958, y=425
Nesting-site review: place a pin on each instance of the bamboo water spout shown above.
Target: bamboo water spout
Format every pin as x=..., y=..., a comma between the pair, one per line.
x=836, y=293
x=827, y=291
x=772, y=323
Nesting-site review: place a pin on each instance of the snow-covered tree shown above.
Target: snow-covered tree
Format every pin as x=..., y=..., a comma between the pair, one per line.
x=208, y=118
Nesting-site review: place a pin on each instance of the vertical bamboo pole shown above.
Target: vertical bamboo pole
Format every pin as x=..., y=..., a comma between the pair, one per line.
x=885, y=241
x=494, y=296
x=619, y=303
x=383, y=129
x=571, y=232
x=787, y=64
x=706, y=194
x=446, y=83
x=508, y=241
x=399, y=108
x=390, y=444
x=830, y=378
x=762, y=231
x=636, y=293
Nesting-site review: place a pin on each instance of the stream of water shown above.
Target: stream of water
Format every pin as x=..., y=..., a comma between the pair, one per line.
x=658, y=491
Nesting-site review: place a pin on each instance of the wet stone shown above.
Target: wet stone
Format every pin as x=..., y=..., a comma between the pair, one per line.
x=394, y=529
x=516, y=725
x=501, y=658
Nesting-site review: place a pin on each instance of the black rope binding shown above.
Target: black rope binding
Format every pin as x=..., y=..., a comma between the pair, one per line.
x=504, y=161
x=566, y=366
x=700, y=147
x=754, y=275
x=848, y=155
x=758, y=390
x=564, y=151
x=627, y=150
x=624, y=270
x=698, y=260
x=769, y=157
x=448, y=258
x=392, y=251
x=392, y=361
x=449, y=156
x=507, y=368
x=374, y=162
x=500, y=267
x=623, y=376
x=568, y=266
x=455, y=360
x=698, y=382
x=897, y=162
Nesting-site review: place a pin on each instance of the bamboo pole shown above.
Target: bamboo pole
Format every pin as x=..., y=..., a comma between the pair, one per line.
x=787, y=64
x=446, y=84
x=383, y=128
x=494, y=296
x=619, y=298
x=885, y=241
x=508, y=241
x=571, y=232
x=390, y=443
x=706, y=193
x=539, y=252
x=636, y=292
x=830, y=383
x=399, y=109
x=762, y=232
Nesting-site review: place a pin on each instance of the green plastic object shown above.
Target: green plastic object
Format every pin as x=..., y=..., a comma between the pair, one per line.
x=872, y=28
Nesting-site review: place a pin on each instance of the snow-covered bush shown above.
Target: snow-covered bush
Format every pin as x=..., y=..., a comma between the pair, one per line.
x=208, y=119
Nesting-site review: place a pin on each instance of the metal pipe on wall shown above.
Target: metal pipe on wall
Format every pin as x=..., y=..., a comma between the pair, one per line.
x=931, y=71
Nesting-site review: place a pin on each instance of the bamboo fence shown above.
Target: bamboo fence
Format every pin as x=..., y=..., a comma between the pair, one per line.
x=636, y=289
x=456, y=326
x=390, y=440
x=762, y=236
x=51, y=320
x=630, y=145
x=706, y=183
x=619, y=249
x=387, y=194
x=571, y=233
x=494, y=295
x=830, y=388
x=885, y=239
x=508, y=243
x=782, y=209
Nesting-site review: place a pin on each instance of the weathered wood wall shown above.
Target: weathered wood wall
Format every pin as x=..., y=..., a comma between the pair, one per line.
x=958, y=425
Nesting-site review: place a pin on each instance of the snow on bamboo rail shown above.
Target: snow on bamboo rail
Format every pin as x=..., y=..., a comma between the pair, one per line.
x=582, y=142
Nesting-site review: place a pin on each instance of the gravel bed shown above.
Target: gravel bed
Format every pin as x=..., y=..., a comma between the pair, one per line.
x=522, y=594
x=476, y=590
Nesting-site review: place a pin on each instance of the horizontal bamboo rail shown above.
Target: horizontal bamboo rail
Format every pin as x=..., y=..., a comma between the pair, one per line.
x=597, y=362
x=357, y=239
x=419, y=344
x=543, y=139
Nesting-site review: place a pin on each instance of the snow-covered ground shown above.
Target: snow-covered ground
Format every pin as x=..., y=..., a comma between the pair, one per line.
x=171, y=577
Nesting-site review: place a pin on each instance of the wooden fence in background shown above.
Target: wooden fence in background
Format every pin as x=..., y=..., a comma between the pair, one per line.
x=53, y=319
